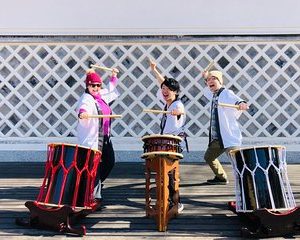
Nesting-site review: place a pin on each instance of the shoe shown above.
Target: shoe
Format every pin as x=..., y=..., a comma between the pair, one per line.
x=98, y=204
x=180, y=207
x=217, y=181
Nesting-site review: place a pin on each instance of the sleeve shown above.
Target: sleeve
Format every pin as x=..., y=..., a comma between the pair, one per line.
x=85, y=104
x=111, y=93
x=180, y=106
x=207, y=93
x=233, y=98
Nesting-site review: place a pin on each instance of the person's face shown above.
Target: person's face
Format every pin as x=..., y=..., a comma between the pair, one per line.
x=168, y=95
x=94, y=88
x=213, y=84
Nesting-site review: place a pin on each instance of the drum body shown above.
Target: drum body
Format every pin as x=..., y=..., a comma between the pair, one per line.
x=69, y=175
x=162, y=143
x=261, y=179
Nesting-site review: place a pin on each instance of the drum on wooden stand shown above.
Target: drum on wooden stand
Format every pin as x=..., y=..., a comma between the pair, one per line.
x=162, y=153
x=156, y=143
x=67, y=189
x=264, y=198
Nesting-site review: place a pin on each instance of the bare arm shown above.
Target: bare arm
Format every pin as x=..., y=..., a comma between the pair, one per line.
x=158, y=76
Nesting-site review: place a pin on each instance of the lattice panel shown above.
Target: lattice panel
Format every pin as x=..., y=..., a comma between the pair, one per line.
x=41, y=83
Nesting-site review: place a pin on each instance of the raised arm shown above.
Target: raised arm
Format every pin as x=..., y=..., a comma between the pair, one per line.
x=158, y=76
x=111, y=93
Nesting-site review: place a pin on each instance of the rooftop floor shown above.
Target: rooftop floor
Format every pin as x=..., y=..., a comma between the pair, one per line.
x=205, y=215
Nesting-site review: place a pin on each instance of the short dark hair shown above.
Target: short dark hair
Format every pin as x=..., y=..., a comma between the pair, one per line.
x=172, y=84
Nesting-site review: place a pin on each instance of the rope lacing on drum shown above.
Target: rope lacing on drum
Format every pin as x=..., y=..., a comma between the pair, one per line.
x=281, y=172
x=47, y=188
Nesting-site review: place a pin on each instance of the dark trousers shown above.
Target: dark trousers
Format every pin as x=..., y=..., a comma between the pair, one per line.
x=108, y=159
x=106, y=165
x=171, y=188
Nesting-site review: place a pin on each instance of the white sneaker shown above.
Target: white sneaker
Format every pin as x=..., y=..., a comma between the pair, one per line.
x=180, y=207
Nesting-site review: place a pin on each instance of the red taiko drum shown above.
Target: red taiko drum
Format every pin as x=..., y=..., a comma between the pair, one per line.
x=69, y=175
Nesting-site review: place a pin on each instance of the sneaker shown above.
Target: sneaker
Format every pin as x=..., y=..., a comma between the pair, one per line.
x=180, y=207
x=217, y=181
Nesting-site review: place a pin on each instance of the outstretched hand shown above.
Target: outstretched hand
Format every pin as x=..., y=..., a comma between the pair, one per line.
x=176, y=112
x=83, y=115
x=205, y=74
x=243, y=106
x=152, y=64
x=114, y=72
x=153, y=67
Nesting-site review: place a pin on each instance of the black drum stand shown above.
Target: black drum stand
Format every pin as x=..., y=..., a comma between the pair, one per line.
x=264, y=223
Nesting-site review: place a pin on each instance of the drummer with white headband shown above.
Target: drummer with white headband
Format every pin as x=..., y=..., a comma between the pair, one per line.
x=224, y=131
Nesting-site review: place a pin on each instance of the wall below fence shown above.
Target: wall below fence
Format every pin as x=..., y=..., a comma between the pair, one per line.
x=130, y=149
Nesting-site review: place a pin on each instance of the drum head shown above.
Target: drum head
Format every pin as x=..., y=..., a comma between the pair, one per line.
x=72, y=145
x=166, y=136
x=169, y=155
x=255, y=147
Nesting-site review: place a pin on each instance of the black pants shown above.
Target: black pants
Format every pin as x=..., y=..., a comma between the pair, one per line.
x=106, y=165
x=171, y=188
x=107, y=159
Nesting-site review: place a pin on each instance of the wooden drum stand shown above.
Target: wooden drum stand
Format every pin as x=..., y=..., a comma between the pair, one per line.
x=161, y=164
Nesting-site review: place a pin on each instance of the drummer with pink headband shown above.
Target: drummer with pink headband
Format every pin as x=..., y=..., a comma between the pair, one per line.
x=95, y=132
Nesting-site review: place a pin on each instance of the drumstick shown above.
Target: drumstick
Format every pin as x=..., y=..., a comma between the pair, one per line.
x=103, y=68
x=209, y=66
x=156, y=111
x=105, y=116
x=228, y=105
x=205, y=73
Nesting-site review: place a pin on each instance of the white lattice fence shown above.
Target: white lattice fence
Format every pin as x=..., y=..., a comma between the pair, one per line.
x=41, y=82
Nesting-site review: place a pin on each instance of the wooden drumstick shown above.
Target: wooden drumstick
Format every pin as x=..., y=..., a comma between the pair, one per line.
x=156, y=111
x=205, y=73
x=209, y=66
x=105, y=116
x=228, y=105
x=104, y=68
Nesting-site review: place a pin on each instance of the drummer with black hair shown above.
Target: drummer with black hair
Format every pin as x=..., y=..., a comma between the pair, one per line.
x=224, y=131
x=95, y=132
x=172, y=123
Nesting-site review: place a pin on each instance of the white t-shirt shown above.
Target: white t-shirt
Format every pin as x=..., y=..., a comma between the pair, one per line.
x=174, y=124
